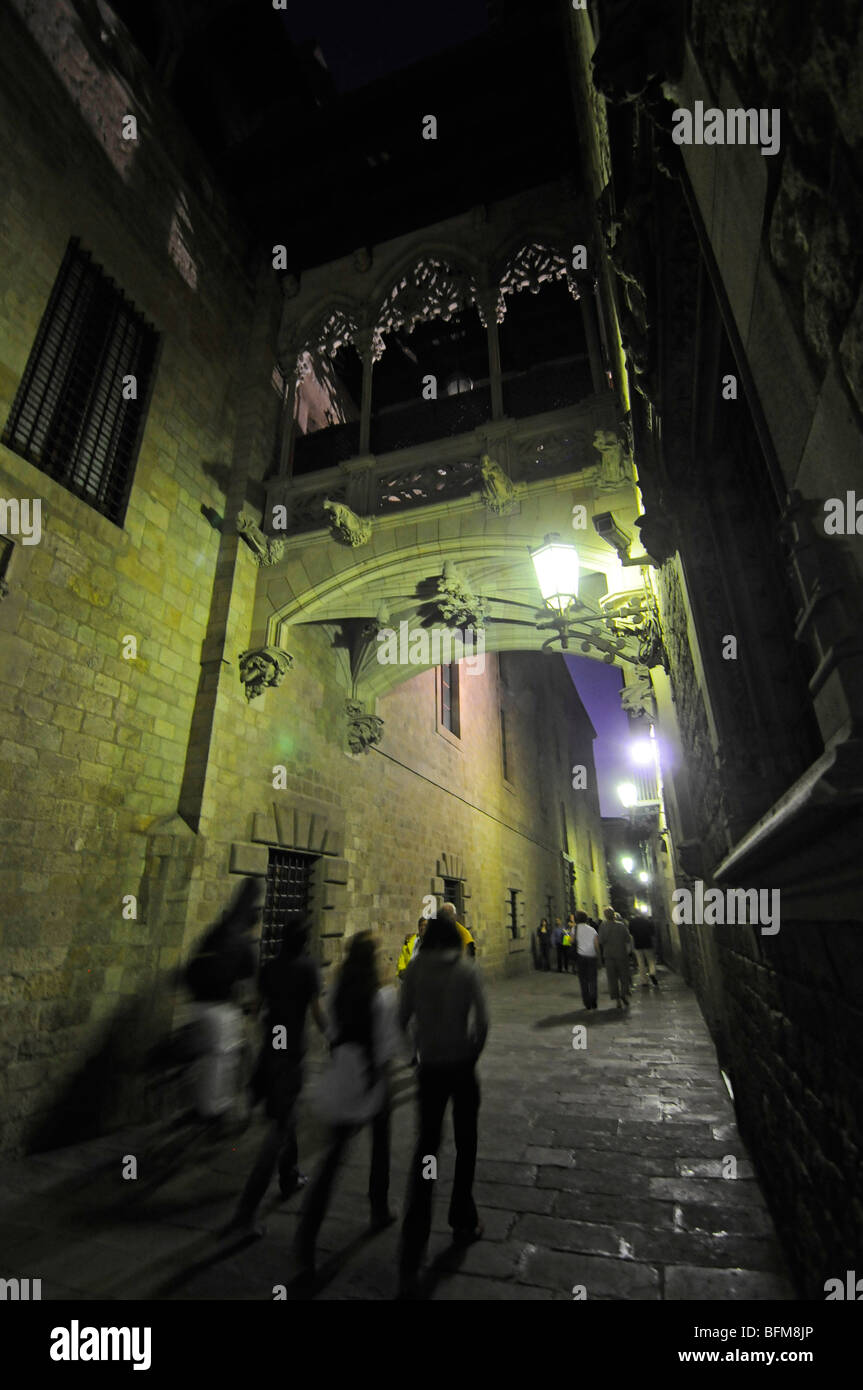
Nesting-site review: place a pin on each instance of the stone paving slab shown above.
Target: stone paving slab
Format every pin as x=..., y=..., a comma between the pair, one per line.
x=598, y=1167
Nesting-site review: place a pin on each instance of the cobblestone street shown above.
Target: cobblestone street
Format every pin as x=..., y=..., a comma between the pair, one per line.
x=598, y=1167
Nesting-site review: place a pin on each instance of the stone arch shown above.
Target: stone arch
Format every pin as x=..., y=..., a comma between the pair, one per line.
x=531, y=262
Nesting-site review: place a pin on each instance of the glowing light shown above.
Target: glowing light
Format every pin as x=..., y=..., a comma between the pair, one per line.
x=642, y=752
x=627, y=863
x=643, y=877
x=627, y=793
x=556, y=569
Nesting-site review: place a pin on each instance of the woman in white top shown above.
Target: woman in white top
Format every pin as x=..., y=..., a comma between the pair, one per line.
x=354, y=1089
x=587, y=948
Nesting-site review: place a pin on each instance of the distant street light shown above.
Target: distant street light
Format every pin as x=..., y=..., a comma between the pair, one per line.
x=643, y=877
x=628, y=793
x=627, y=863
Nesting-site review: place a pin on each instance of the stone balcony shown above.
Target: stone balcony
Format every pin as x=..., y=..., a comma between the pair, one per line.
x=549, y=445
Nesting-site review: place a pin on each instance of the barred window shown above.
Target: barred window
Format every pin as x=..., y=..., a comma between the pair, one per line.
x=74, y=416
x=450, y=712
x=287, y=902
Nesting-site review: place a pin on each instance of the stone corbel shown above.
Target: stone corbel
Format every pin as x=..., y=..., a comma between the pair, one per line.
x=364, y=730
x=262, y=667
x=266, y=550
x=457, y=604
x=346, y=526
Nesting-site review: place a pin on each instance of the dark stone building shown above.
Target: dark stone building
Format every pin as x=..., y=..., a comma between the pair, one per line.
x=290, y=372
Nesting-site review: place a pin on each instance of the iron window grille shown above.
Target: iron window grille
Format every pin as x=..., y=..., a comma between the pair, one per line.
x=513, y=912
x=70, y=418
x=289, y=879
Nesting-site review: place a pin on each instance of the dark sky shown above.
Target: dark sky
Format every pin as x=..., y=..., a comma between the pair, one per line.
x=599, y=686
x=362, y=40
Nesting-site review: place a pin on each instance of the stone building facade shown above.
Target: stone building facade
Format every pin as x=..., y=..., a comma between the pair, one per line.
x=143, y=768
x=736, y=288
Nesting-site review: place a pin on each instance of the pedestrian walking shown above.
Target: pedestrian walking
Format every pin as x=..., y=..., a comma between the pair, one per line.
x=616, y=944
x=290, y=986
x=641, y=929
x=354, y=1089
x=443, y=992
x=468, y=944
x=216, y=978
x=557, y=943
x=569, y=929
x=543, y=941
x=407, y=950
x=587, y=957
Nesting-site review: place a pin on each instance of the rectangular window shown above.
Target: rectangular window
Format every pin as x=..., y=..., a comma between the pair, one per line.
x=287, y=902
x=452, y=891
x=513, y=912
x=449, y=701
x=80, y=408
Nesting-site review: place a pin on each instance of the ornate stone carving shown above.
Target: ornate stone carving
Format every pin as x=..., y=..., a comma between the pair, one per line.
x=616, y=467
x=657, y=535
x=364, y=730
x=432, y=483
x=457, y=604
x=263, y=666
x=266, y=549
x=430, y=289
x=346, y=526
x=636, y=698
x=499, y=493
x=530, y=268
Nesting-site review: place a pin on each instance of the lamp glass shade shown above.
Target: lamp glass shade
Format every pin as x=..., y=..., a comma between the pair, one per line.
x=627, y=793
x=556, y=569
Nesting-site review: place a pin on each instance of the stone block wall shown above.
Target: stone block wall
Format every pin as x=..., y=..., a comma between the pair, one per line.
x=93, y=745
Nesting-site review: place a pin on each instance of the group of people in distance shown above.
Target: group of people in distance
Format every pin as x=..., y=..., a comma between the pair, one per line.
x=438, y=1009
x=581, y=944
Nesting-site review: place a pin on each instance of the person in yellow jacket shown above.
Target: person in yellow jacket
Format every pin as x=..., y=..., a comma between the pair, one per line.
x=409, y=948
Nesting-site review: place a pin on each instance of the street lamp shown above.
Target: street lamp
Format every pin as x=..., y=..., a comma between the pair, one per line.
x=642, y=752
x=627, y=863
x=643, y=877
x=556, y=567
x=628, y=793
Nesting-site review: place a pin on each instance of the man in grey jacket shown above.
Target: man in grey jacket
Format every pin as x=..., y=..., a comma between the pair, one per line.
x=616, y=944
x=442, y=992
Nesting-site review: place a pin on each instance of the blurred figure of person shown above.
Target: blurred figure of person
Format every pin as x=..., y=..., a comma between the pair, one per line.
x=443, y=992
x=557, y=943
x=217, y=977
x=290, y=985
x=418, y=939
x=407, y=951
x=354, y=1091
x=616, y=944
x=587, y=957
x=543, y=941
x=468, y=944
x=569, y=930
x=642, y=931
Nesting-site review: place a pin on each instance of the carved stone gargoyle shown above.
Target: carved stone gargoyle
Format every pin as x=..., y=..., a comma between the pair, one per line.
x=458, y=605
x=499, y=493
x=364, y=730
x=266, y=550
x=346, y=526
x=616, y=466
x=262, y=667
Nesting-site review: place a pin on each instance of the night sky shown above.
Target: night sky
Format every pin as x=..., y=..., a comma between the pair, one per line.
x=362, y=42
x=599, y=686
